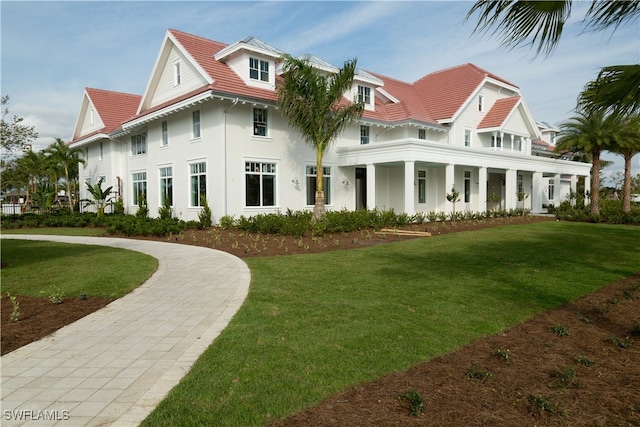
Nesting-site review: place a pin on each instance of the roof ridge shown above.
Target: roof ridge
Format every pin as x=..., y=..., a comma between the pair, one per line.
x=195, y=36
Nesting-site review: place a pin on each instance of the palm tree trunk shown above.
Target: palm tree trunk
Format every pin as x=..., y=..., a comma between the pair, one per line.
x=595, y=182
x=626, y=192
x=319, y=208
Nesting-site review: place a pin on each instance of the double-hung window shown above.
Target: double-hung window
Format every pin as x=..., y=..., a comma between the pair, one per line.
x=166, y=185
x=364, y=94
x=260, y=183
x=258, y=69
x=259, y=121
x=422, y=134
x=139, y=182
x=196, y=124
x=422, y=186
x=552, y=187
x=467, y=138
x=364, y=134
x=198, y=176
x=165, y=133
x=138, y=144
x=467, y=186
x=311, y=179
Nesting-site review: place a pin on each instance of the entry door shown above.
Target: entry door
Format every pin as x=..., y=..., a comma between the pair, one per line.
x=361, y=188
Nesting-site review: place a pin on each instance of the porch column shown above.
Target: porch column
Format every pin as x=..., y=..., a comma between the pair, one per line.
x=510, y=189
x=512, y=137
x=587, y=190
x=409, y=188
x=501, y=141
x=556, y=190
x=536, y=192
x=482, y=189
x=371, y=186
x=449, y=182
x=573, y=185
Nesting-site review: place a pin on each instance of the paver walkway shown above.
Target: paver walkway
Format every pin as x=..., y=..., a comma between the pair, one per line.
x=115, y=365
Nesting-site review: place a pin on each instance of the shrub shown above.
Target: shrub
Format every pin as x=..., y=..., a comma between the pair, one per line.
x=205, y=213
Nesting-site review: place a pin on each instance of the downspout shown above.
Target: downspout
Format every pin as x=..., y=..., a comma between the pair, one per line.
x=224, y=153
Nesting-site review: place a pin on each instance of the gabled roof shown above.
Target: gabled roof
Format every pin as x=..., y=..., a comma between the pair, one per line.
x=499, y=113
x=444, y=92
x=249, y=43
x=113, y=108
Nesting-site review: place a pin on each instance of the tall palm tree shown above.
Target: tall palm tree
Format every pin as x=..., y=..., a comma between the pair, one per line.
x=590, y=134
x=33, y=168
x=311, y=100
x=627, y=143
x=540, y=24
x=66, y=158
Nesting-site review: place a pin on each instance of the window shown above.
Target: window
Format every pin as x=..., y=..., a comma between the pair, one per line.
x=177, y=76
x=138, y=144
x=260, y=184
x=86, y=156
x=101, y=152
x=364, y=94
x=422, y=186
x=198, y=174
x=166, y=185
x=551, y=189
x=496, y=141
x=139, y=181
x=311, y=174
x=422, y=134
x=259, y=122
x=258, y=69
x=467, y=186
x=196, y=124
x=165, y=133
x=364, y=134
x=467, y=138
x=520, y=183
x=92, y=117
x=480, y=103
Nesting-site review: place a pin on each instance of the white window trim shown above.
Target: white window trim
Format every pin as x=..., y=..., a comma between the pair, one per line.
x=244, y=186
x=146, y=147
x=177, y=74
x=163, y=143
x=481, y=103
x=268, y=125
x=418, y=179
x=100, y=151
x=368, y=135
x=193, y=135
x=464, y=140
x=206, y=174
x=324, y=165
x=160, y=178
x=146, y=181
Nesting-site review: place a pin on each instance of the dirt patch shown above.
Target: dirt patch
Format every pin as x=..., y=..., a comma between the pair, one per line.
x=39, y=317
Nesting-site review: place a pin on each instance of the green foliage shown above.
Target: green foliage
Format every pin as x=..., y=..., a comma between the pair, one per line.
x=227, y=222
x=55, y=294
x=204, y=216
x=165, y=211
x=473, y=372
x=416, y=404
x=585, y=361
x=610, y=212
x=143, y=208
x=540, y=404
x=15, y=305
x=503, y=355
x=118, y=207
x=101, y=198
x=564, y=378
x=559, y=330
x=621, y=342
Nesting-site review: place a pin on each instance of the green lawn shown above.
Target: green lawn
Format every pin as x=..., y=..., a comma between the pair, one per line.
x=39, y=268
x=314, y=325
x=58, y=231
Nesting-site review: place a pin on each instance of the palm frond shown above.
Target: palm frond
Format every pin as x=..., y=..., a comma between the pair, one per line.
x=615, y=90
x=606, y=14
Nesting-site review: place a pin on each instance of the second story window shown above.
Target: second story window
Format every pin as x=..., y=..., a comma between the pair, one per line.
x=480, y=103
x=467, y=138
x=177, y=75
x=196, y=124
x=260, y=122
x=138, y=144
x=165, y=133
x=422, y=134
x=258, y=69
x=364, y=94
x=364, y=134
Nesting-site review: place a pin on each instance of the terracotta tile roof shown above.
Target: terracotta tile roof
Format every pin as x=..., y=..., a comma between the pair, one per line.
x=444, y=92
x=498, y=112
x=113, y=107
x=409, y=107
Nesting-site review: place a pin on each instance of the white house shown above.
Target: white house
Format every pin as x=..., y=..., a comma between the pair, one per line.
x=207, y=123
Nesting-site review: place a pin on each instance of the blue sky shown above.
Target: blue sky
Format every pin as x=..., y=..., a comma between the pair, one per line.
x=51, y=51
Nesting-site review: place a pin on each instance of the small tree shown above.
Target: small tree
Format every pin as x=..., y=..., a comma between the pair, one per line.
x=205, y=214
x=493, y=199
x=143, y=208
x=165, y=211
x=453, y=197
x=101, y=198
x=522, y=196
x=13, y=133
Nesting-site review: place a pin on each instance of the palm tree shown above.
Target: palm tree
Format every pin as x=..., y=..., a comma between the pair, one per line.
x=540, y=24
x=627, y=144
x=33, y=170
x=65, y=158
x=311, y=100
x=590, y=134
x=101, y=198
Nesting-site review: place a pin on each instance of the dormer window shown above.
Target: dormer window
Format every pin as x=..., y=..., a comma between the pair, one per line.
x=364, y=94
x=177, y=76
x=259, y=69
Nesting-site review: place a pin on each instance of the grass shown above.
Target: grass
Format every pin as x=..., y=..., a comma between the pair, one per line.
x=314, y=325
x=34, y=267
x=58, y=231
